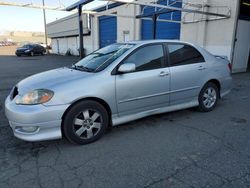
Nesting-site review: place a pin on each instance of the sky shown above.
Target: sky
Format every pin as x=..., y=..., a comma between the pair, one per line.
x=30, y=19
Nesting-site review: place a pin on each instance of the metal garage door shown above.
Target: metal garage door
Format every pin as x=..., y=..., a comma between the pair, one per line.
x=107, y=30
x=164, y=30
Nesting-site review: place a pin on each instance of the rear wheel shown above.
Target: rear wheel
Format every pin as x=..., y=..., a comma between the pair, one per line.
x=31, y=53
x=85, y=122
x=208, y=97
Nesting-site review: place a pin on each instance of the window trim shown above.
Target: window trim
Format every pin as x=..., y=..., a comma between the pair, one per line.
x=164, y=64
x=168, y=54
x=168, y=64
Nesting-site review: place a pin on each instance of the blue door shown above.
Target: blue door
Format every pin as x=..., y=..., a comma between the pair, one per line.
x=107, y=30
x=164, y=30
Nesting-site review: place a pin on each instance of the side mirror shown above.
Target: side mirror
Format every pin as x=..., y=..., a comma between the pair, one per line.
x=127, y=67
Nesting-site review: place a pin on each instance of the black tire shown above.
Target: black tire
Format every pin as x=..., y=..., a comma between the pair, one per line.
x=213, y=98
x=18, y=55
x=77, y=112
x=32, y=54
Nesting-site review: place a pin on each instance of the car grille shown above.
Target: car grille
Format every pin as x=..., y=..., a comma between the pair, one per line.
x=14, y=93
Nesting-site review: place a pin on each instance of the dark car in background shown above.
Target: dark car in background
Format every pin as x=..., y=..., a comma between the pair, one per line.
x=31, y=50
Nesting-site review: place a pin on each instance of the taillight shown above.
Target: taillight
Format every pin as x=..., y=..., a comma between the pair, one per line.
x=230, y=67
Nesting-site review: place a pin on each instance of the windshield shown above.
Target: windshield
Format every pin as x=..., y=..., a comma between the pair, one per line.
x=102, y=58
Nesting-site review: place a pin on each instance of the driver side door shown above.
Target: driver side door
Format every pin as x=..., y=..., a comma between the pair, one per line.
x=148, y=86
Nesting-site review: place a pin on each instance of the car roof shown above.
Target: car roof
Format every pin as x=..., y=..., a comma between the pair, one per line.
x=156, y=40
x=142, y=42
x=30, y=44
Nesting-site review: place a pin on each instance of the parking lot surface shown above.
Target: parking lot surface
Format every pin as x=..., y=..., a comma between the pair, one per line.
x=179, y=149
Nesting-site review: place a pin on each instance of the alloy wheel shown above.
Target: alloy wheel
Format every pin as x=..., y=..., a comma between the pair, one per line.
x=87, y=124
x=209, y=97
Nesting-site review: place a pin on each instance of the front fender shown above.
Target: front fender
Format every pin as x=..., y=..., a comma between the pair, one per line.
x=100, y=86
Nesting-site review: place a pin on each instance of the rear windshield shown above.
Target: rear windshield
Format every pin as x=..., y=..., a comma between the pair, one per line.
x=103, y=57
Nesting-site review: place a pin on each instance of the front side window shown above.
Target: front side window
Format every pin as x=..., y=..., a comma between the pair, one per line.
x=181, y=54
x=147, y=58
x=102, y=58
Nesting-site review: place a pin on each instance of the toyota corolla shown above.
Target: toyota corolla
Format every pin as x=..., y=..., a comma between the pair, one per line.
x=114, y=85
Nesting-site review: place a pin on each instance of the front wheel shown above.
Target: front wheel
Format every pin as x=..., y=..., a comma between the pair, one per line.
x=208, y=97
x=85, y=122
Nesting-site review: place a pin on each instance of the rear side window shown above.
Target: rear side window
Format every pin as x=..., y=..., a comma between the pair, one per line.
x=147, y=58
x=181, y=54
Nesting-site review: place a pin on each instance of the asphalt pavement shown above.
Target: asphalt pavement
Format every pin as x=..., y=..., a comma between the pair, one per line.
x=186, y=148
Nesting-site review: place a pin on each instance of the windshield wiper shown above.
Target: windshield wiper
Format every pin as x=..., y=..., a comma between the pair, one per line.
x=82, y=68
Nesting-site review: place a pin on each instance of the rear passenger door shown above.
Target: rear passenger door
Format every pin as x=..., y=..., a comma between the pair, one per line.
x=187, y=67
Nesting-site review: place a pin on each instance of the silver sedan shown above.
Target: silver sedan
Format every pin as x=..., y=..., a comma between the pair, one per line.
x=114, y=85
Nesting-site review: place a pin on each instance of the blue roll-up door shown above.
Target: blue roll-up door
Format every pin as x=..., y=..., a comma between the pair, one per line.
x=164, y=30
x=107, y=30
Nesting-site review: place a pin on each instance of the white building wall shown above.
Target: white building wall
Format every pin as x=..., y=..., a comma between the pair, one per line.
x=67, y=26
x=73, y=45
x=54, y=47
x=215, y=36
x=242, y=47
x=128, y=27
x=94, y=38
x=124, y=25
x=62, y=45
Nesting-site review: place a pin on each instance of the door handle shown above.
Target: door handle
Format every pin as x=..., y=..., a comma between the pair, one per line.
x=201, y=68
x=163, y=73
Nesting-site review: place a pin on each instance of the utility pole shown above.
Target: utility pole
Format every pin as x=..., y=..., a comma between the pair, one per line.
x=78, y=5
x=45, y=28
x=81, y=50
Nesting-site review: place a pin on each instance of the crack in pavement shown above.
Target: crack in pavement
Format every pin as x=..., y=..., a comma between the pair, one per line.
x=194, y=163
x=181, y=169
x=225, y=144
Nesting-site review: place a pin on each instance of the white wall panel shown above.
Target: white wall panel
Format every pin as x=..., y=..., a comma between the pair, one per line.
x=215, y=36
x=72, y=45
x=63, y=45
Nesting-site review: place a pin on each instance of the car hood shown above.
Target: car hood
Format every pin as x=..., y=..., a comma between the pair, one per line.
x=50, y=79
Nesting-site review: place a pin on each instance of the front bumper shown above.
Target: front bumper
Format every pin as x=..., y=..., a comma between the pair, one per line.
x=35, y=122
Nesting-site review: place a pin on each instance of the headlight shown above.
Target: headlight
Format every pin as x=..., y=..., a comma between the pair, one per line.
x=27, y=51
x=37, y=96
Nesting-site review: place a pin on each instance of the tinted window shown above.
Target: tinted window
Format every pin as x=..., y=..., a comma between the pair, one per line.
x=29, y=46
x=147, y=58
x=181, y=54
